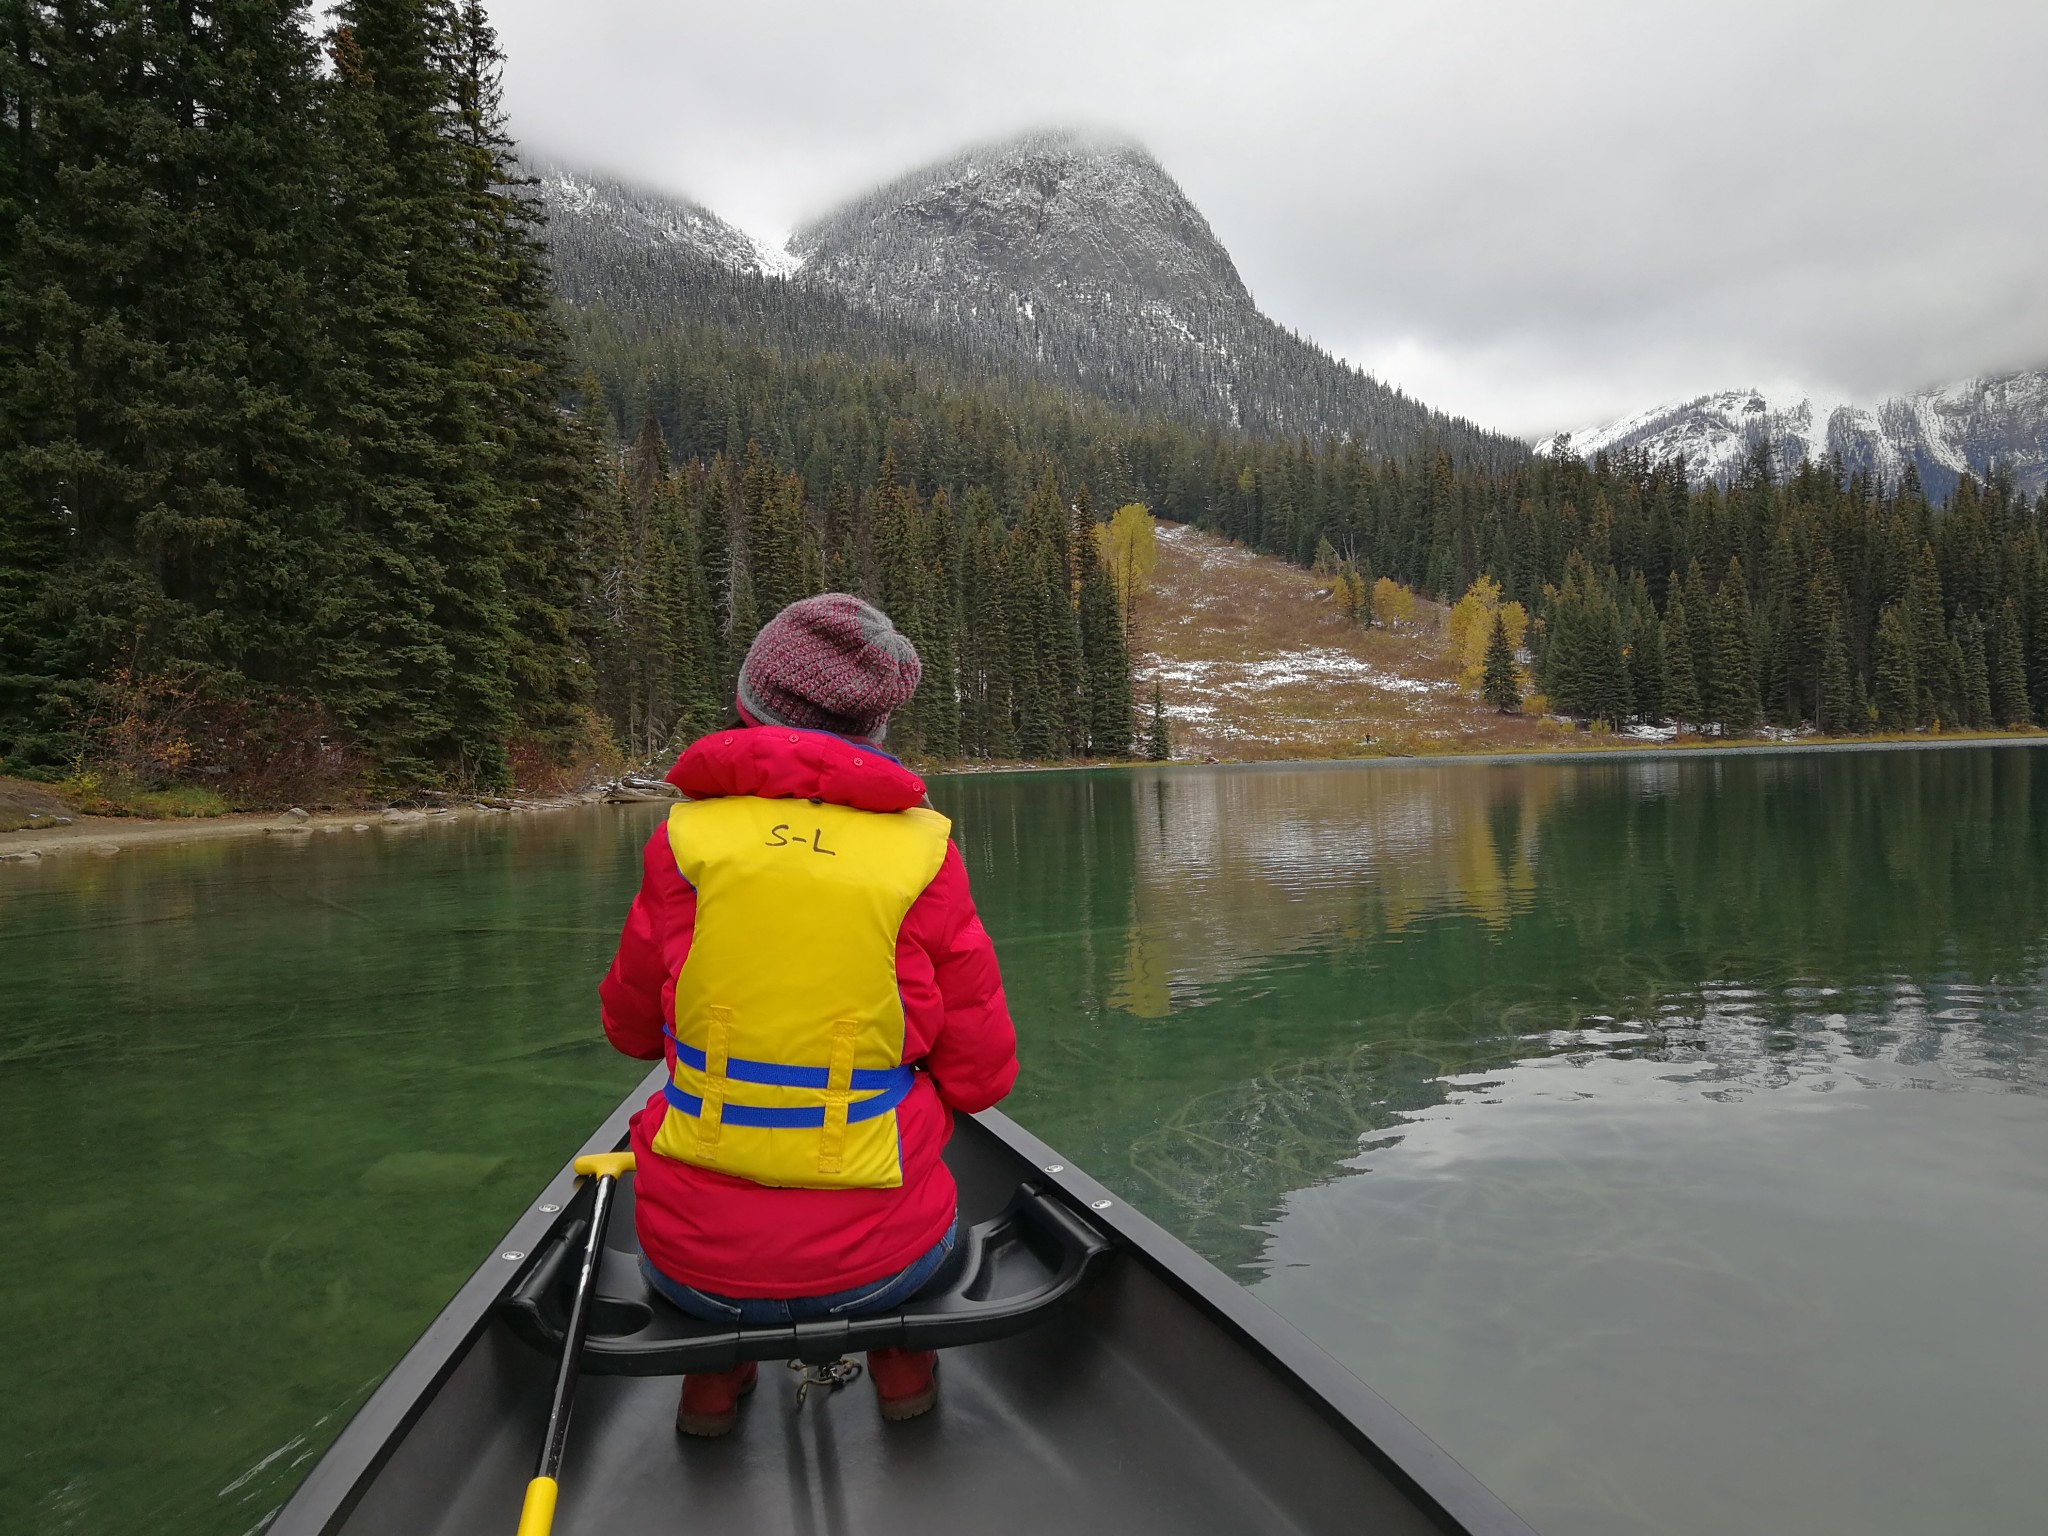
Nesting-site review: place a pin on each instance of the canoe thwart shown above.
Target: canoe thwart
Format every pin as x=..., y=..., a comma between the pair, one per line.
x=1003, y=1277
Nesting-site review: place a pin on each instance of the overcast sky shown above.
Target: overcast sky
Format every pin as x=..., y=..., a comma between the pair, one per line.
x=1540, y=213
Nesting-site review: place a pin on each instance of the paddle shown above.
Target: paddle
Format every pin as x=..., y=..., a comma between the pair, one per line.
x=537, y=1515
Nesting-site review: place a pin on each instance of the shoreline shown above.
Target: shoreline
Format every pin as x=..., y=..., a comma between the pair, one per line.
x=1624, y=750
x=106, y=836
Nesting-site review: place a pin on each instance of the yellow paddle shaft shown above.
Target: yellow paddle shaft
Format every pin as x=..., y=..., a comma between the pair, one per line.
x=537, y=1514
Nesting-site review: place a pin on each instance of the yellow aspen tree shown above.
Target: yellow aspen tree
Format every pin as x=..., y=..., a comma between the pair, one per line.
x=1129, y=543
x=1392, y=603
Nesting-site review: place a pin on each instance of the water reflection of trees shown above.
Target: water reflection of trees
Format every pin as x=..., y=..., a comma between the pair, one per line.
x=1248, y=975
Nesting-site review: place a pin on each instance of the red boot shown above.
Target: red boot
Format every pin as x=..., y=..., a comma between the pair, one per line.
x=711, y=1400
x=906, y=1381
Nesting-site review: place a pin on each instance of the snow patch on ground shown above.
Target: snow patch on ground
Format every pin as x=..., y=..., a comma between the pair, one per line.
x=1312, y=666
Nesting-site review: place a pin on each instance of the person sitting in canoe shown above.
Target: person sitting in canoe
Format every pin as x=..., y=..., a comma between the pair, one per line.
x=805, y=955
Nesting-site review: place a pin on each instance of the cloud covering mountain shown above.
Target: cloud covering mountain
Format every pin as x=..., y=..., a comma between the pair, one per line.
x=1531, y=215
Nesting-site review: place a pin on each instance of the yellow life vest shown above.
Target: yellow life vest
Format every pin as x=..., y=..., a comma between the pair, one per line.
x=788, y=1023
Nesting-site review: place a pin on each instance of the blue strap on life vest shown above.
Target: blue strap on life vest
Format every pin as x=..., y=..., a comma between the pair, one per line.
x=894, y=1085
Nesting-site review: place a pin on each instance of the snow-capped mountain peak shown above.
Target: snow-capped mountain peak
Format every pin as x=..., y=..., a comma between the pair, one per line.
x=1085, y=215
x=1963, y=428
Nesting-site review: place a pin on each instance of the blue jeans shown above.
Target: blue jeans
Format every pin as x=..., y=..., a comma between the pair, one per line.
x=883, y=1295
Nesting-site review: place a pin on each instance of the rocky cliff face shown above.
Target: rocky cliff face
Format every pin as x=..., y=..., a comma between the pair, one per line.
x=1083, y=257
x=1047, y=220
x=1961, y=428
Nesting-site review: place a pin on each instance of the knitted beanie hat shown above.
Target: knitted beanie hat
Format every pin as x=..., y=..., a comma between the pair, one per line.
x=830, y=663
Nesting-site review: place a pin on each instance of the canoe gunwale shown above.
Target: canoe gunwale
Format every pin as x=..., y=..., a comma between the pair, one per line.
x=344, y=1473
x=1438, y=1485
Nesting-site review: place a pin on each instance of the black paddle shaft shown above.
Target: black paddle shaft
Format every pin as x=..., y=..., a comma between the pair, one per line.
x=579, y=1325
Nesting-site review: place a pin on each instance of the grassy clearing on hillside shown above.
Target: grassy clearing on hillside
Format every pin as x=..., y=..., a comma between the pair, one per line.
x=1255, y=661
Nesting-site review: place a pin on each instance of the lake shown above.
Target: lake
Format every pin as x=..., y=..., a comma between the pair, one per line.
x=1666, y=1137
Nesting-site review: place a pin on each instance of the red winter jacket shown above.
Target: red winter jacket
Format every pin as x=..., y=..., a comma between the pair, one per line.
x=729, y=1235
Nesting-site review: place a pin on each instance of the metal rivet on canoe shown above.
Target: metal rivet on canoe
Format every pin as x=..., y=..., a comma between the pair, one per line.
x=550, y=1208
x=514, y=1254
x=1055, y=1167
x=1098, y=1205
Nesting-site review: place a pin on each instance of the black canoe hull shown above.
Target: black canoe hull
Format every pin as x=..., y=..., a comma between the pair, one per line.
x=1163, y=1398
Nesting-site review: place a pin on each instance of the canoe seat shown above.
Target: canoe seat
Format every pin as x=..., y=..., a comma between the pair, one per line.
x=1002, y=1277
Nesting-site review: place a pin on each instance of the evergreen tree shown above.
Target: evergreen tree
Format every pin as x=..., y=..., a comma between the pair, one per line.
x=745, y=623
x=2010, y=706
x=1586, y=670
x=1837, y=713
x=1898, y=681
x=1822, y=662
x=1158, y=744
x=1051, y=707
x=1501, y=685
x=1645, y=650
x=606, y=618
x=716, y=539
x=841, y=565
x=772, y=510
x=1681, y=685
x=2032, y=603
x=1699, y=607
x=417, y=626
x=691, y=706
x=1105, y=656
x=1782, y=662
x=1732, y=702
x=943, y=541
x=987, y=708
x=905, y=595
x=1976, y=677
x=1933, y=661
x=544, y=451
x=163, y=465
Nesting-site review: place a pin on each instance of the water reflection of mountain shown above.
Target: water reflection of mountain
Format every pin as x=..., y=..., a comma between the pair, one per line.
x=1233, y=980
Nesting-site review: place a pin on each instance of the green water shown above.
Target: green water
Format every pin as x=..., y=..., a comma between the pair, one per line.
x=1667, y=1138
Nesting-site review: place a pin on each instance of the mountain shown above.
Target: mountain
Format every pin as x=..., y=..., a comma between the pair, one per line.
x=642, y=267
x=590, y=216
x=1094, y=222
x=1056, y=257
x=1970, y=427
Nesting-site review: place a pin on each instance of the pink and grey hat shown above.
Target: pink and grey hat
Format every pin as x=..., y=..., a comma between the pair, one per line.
x=830, y=663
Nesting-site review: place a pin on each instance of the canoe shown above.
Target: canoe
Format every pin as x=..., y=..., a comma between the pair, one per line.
x=1097, y=1375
